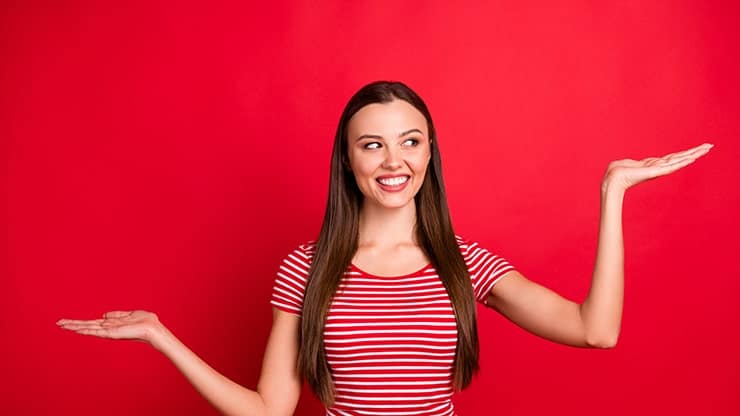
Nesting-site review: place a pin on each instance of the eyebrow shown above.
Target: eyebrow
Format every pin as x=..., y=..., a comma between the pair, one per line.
x=375, y=136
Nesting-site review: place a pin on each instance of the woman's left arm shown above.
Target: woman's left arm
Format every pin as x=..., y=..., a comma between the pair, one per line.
x=595, y=322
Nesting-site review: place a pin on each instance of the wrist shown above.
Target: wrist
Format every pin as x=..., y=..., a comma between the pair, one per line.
x=612, y=187
x=159, y=337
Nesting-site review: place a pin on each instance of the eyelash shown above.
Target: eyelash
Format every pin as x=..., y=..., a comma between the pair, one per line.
x=415, y=143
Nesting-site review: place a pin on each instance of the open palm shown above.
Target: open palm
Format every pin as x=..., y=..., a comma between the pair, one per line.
x=628, y=172
x=136, y=325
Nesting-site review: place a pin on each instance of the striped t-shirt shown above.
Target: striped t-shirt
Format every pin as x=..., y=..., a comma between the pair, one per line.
x=390, y=341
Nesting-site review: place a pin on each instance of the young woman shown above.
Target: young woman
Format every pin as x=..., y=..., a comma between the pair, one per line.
x=378, y=315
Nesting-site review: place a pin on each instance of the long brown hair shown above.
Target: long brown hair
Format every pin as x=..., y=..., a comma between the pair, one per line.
x=337, y=244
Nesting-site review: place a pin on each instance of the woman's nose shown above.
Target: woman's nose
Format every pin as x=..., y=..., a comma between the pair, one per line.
x=392, y=158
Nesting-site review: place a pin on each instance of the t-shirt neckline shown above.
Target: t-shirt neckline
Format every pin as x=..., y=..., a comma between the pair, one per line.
x=426, y=266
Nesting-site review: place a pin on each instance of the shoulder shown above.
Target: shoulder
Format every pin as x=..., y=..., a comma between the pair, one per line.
x=485, y=267
x=467, y=247
x=478, y=258
x=299, y=259
x=305, y=250
x=292, y=277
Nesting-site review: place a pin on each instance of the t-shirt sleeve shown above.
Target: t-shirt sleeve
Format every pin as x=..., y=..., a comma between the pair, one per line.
x=485, y=268
x=290, y=282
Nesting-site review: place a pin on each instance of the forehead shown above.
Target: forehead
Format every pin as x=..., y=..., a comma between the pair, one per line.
x=386, y=119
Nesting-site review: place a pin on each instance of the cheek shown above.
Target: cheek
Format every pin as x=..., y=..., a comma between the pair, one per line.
x=421, y=163
x=361, y=167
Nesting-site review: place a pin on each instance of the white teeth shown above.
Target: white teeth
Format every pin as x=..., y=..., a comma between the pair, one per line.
x=394, y=181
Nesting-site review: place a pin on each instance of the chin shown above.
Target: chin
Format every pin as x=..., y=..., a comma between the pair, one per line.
x=393, y=203
x=396, y=206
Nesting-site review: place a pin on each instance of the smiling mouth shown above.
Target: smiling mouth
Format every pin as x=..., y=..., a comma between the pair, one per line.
x=399, y=180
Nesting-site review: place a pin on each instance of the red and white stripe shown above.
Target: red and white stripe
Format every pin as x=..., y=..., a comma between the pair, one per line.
x=390, y=341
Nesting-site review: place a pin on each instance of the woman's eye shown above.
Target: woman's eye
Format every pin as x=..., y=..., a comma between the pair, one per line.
x=372, y=145
x=411, y=142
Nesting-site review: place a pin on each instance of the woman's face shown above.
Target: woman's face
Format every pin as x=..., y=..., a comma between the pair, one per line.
x=388, y=152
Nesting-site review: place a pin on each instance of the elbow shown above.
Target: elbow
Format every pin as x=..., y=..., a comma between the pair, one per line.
x=603, y=341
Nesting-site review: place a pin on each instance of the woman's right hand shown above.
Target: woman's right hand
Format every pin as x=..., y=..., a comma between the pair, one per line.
x=280, y=384
x=135, y=325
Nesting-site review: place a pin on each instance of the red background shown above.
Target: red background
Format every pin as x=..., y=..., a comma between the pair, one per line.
x=167, y=156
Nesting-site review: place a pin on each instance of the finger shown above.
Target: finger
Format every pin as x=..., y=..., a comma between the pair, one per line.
x=691, y=149
x=116, y=314
x=84, y=325
x=671, y=167
x=690, y=156
x=648, y=161
x=114, y=333
x=696, y=152
x=703, y=148
x=62, y=322
x=693, y=153
x=102, y=333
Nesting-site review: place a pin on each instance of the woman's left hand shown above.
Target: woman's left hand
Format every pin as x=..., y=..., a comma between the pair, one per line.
x=627, y=172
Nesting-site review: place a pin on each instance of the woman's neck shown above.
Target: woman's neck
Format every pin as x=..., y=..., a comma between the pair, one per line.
x=380, y=226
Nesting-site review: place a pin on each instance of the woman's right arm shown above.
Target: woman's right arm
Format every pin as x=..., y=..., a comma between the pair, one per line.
x=279, y=386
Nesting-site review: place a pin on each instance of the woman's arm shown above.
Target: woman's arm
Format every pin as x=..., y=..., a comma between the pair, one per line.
x=596, y=321
x=279, y=386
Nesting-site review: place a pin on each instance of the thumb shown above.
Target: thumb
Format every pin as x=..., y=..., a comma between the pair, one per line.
x=116, y=314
